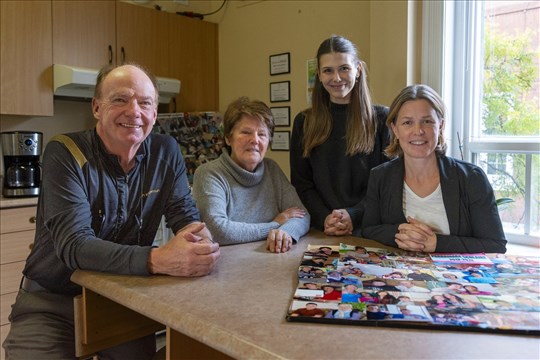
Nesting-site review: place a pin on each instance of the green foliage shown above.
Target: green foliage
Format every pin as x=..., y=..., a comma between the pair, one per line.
x=503, y=201
x=509, y=74
x=509, y=106
x=358, y=306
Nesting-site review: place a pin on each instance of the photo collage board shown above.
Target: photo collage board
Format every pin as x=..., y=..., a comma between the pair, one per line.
x=199, y=135
x=345, y=284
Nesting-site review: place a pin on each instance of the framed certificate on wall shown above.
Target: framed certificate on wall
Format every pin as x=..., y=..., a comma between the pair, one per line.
x=280, y=91
x=282, y=115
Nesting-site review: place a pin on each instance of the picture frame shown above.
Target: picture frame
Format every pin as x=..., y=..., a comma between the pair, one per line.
x=281, y=141
x=282, y=115
x=280, y=63
x=280, y=91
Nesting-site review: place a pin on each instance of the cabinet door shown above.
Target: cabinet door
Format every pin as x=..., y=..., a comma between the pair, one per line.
x=84, y=33
x=142, y=37
x=194, y=61
x=26, y=58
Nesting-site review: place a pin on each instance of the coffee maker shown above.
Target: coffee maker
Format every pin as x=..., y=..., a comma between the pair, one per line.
x=22, y=175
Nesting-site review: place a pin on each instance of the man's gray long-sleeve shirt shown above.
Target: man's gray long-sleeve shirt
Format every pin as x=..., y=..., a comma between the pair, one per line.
x=93, y=216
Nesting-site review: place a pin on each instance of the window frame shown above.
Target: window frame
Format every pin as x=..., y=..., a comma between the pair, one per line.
x=452, y=33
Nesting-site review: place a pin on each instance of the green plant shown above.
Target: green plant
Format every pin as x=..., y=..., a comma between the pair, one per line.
x=503, y=201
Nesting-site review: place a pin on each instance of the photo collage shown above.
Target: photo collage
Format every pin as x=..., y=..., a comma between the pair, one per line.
x=198, y=134
x=358, y=285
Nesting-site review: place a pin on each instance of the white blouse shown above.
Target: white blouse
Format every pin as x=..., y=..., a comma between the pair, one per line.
x=429, y=210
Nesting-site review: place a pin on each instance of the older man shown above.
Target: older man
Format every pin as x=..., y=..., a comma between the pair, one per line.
x=103, y=194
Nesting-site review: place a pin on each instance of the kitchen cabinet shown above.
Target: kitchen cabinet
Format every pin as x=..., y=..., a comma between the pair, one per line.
x=17, y=235
x=84, y=33
x=193, y=46
x=142, y=36
x=92, y=34
x=26, y=58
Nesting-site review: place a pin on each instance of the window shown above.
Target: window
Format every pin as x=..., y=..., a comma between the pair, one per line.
x=489, y=79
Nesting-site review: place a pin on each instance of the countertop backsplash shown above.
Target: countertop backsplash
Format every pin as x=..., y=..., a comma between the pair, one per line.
x=69, y=116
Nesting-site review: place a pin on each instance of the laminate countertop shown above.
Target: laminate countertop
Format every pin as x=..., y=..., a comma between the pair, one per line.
x=6, y=203
x=240, y=311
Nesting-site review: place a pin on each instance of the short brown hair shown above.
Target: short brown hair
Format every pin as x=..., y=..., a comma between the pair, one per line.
x=409, y=93
x=243, y=106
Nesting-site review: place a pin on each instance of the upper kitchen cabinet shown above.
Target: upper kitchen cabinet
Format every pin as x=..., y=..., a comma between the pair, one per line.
x=142, y=36
x=26, y=58
x=84, y=33
x=193, y=46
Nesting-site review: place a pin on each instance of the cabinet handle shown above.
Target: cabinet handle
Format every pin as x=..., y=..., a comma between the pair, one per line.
x=110, y=55
x=32, y=220
x=123, y=55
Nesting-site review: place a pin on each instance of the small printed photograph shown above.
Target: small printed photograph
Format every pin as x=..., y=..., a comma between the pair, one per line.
x=408, y=313
x=421, y=275
x=379, y=284
x=478, y=277
x=449, y=276
x=522, y=268
x=370, y=271
x=311, y=308
x=315, y=260
x=326, y=250
x=311, y=272
x=411, y=286
x=351, y=293
x=394, y=312
x=386, y=297
x=452, y=302
x=511, y=302
x=409, y=256
x=337, y=276
x=472, y=259
x=352, y=253
x=509, y=319
x=515, y=259
x=461, y=288
x=318, y=290
x=376, y=312
x=518, y=286
x=464, y=267
x=415, y=265
x=347, y=311
x=309, y=290
x=458, y=319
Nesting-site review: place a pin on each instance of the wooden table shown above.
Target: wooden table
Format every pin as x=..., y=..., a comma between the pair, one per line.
x=239, y=311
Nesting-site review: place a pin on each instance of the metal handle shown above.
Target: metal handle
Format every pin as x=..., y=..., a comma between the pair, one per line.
x=32, y=220
x=110, y=55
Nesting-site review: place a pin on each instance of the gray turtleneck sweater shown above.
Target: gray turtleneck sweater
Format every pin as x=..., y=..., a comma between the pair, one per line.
x=239, y=206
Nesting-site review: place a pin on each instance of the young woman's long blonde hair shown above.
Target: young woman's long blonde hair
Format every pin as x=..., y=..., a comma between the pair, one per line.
x=361, y=122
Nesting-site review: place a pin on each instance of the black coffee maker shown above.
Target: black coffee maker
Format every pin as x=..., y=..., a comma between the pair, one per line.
x=22, y=175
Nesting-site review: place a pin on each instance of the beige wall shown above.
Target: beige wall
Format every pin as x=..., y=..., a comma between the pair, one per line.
x=251, y=31
x=249, y=34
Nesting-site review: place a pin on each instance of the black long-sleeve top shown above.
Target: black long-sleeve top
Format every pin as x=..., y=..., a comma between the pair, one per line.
x=329, y=179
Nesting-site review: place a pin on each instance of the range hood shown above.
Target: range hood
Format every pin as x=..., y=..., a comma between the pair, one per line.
x=77, y=82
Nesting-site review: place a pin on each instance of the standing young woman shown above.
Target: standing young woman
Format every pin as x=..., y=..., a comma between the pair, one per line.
x=337, y=141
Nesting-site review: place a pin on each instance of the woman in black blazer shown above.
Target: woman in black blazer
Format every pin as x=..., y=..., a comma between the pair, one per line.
x=423, y=200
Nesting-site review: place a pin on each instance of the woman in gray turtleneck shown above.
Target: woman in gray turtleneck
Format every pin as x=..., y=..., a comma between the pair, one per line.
x=242, y=196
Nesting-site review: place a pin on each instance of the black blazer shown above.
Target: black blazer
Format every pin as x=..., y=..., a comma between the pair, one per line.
x=475, y=225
